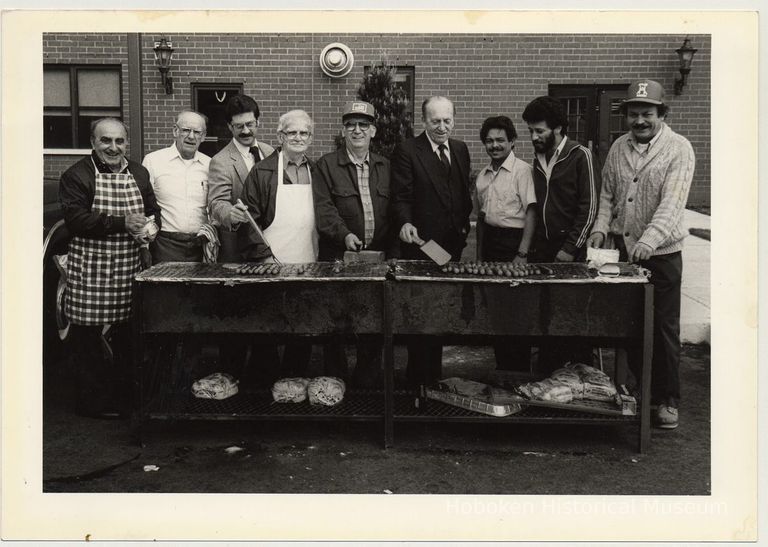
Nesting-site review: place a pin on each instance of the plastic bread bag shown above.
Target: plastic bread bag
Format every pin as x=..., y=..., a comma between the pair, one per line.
x=290, y=390
x=547, y=390
x=556, y=392
x=596, y=258
x=570, y=378
x=596, y=392
x=467, y=388
x=215, y=386
x=591, y=375
x=326, y=390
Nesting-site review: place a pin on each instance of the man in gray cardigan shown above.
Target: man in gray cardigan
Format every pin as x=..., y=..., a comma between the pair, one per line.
x=646, y=179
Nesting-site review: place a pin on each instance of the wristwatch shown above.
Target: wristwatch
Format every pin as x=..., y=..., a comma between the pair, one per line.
x=522, y=254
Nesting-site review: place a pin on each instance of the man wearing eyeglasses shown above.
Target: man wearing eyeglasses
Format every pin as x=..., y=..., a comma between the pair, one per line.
x=179, y=177
x=278, y=194
x=228, y=171
x=351, y=191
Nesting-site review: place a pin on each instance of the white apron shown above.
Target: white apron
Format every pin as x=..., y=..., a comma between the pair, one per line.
x=292, y=234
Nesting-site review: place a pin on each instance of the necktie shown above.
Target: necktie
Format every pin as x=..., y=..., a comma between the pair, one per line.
x=444, y=158
x=255, y=151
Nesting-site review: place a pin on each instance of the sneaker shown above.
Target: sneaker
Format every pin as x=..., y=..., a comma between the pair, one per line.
x=666, y=417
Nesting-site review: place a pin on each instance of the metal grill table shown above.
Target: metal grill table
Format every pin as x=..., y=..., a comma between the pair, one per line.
x=320, y=299
x=392, y=303
x=565, y=300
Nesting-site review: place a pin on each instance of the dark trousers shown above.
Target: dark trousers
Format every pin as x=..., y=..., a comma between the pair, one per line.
x=555, y=353
x=102, y=367
x=666, y=278
x=502, y=244
x=367, y=372
x=425, y=362
x=176, y=247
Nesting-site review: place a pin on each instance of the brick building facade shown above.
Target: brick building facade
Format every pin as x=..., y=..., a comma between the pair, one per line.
x=485, y=74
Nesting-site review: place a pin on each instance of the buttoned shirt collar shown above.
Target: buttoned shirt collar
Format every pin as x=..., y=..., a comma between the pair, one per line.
x=506, y=164
x=356, y=161
x=177, y=154
x=435, y=146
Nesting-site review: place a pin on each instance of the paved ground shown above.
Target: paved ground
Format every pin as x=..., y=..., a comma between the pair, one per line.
x=89, y=455
x=695, y=305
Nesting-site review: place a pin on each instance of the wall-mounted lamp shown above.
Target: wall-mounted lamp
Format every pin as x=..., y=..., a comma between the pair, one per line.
x=686, y=56
x=163, y=54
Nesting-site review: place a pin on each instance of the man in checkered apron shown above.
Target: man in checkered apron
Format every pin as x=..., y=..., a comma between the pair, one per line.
x=108, y=206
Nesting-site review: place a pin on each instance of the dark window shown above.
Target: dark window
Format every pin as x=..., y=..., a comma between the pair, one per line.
x=209, y=99
x=73, y=97
x=594, y=119
x=404, y=78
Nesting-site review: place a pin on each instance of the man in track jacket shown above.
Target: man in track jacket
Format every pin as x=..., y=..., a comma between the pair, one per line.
x=566, y=178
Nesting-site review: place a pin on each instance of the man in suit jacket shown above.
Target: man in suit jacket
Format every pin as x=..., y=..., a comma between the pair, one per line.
x=226, y=177
x=430, y=183
x=227, y=173
x=431, y=200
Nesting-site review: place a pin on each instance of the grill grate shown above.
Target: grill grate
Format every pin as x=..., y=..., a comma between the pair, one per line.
x=357, y=404
x=548, y=272
x=192, y=271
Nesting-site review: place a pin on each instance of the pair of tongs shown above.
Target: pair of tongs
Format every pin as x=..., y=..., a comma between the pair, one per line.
x=258, y=231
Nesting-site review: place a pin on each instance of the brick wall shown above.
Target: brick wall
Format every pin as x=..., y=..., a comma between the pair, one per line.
x=484, y=74
x=85, y=49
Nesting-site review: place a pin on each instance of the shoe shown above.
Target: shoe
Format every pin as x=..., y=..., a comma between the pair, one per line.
x=665, y=417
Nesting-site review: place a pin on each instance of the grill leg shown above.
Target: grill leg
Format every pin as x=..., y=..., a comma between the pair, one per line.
x=389, y=369
x=646, y=358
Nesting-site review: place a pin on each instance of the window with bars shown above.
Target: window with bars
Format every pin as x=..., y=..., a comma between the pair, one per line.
x=575, y=110
x=73, y=97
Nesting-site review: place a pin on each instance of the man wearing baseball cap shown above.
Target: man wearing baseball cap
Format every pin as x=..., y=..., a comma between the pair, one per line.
x=351, y=192
x=646, y=179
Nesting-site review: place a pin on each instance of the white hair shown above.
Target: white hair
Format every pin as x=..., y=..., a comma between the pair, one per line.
x=294, y=114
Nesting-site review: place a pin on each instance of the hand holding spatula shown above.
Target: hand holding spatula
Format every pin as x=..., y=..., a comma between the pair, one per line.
x=409, y=234
x=258, y=231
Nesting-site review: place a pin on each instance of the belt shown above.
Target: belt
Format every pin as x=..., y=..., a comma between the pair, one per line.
x=178, y=236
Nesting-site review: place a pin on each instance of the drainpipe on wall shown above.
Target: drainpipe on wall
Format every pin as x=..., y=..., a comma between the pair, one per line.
x=136, y=98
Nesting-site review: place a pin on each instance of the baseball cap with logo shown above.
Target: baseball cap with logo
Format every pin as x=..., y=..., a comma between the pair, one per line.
x=359, y=108
x=645, y=91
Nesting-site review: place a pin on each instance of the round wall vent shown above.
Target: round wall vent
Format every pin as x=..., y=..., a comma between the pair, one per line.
x=336, y=60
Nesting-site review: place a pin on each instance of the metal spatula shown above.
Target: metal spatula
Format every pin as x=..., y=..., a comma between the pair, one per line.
x=439, y=256
x=261, y=234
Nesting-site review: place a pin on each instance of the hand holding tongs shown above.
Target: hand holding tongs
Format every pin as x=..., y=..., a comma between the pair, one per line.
x=258, y=231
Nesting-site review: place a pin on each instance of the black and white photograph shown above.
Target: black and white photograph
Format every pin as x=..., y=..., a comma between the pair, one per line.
x=468, y=268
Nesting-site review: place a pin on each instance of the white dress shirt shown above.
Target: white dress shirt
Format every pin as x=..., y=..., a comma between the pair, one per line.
x=435, y=148
x=181, y=188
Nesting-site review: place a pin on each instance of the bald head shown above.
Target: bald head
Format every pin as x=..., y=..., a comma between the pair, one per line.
x=109, y=140
x=437, y=113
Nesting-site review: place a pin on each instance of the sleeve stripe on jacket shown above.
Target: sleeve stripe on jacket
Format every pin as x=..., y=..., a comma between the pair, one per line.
x=592, y=201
